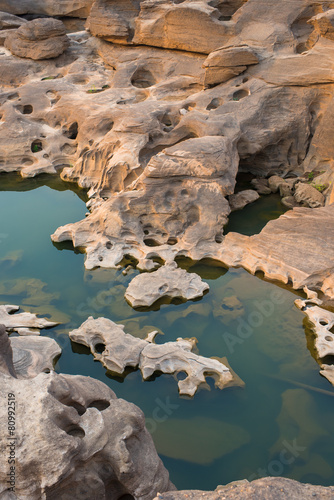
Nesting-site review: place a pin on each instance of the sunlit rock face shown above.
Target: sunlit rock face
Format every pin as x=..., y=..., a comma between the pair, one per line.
x=72, y=436
x=158, y=135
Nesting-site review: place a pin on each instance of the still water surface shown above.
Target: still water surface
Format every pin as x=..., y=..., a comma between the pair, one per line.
x=279, y=424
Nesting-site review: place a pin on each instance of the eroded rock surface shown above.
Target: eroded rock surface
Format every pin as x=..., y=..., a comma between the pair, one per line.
x=289, y=249
x=74, y=8
x=66, y=427
x=116, y=350
x=38, y=39
x=267, y=488
x=23, y=323
x=168, y=281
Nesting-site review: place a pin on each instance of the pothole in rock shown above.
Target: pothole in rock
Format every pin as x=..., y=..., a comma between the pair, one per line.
x=36, y=146
x=215, y=103
x=240, y=94
x=143, y=78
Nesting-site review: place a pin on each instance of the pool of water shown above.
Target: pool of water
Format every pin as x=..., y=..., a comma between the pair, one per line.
x=280, y=423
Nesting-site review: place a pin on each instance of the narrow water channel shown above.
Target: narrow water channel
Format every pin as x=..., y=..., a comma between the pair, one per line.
x=279, y=424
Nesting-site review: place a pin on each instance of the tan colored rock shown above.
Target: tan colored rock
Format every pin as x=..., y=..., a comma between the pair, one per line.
x=227, y=62
x=289, y=248
x=116, y=350
x=167, y=282
x=309, y=195
x=33, y=355
x=113, y=20
x=322, y=322
x=239, y=200
x=38, y=39
x=74, y=8
x=324, y=24
x=73, y=437
x=191, y=26
x=261, y=185
x=275, y=182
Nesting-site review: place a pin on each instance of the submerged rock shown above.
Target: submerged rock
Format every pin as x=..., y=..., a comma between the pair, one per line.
x=38, y=39
x=116, y=350
x=74, y=437
x=168, y=281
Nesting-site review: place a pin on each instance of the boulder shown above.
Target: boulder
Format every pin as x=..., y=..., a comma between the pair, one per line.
x=73, y=8
x=117, y=350
x=167, y=282
x=239, y=200
x=38, y=39
x=113, y=20
x=275, y=182
x=261, y=185
x=227, y=62
x=308, y=195
x=73, y=438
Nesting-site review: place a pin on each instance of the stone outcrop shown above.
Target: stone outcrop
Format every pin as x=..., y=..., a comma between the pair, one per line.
x=167, y=282
x=226, y=63
x=74, y=8
x=66, y=426
x=38, y=39
x=309, y=195
x=267, y=488
x=289, y=249
x=9, y=21
x=23, y=323
x=117, y=350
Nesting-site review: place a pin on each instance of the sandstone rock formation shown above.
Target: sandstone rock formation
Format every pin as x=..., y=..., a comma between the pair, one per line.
x=116, y=350
x=168, y=281
x=38, y=39
x=72, y=437
x=23, y=323
x=289, y=249
x=267, y=488
x=75, y=8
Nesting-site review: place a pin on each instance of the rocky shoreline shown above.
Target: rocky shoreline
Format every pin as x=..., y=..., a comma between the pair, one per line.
x=154, y=109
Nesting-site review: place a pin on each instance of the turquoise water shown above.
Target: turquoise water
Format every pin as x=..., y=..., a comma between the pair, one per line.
x=279, y=424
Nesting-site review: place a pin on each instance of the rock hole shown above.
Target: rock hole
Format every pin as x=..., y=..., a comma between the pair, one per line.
x=36, y=146
x=214, y=104
x=75, y=431
x=328, y=338
x=181, y=375
x=100, y=258
x=323, y=322
x=100, y=347
x=151, y=242
x=172, y=240
x=109, y=245
x=245, y=80
x=219, y=238
x=45, y=156
x=99, y=404
x=142, y=78
x=240, y=94
x=72, y=132
x=47, y=370
x=11, y=97
x=163, y=288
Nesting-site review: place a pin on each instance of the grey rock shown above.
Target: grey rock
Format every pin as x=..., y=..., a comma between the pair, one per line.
x=74, y=437
x=74, y=8
x=33, y=355
x=116, y=350
x=227, y=62
x=24, y=323
x=168, y=281
x=261, y=185
x=9, y=21
x=290, y=202
x=309, y=195
x=240, y=200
